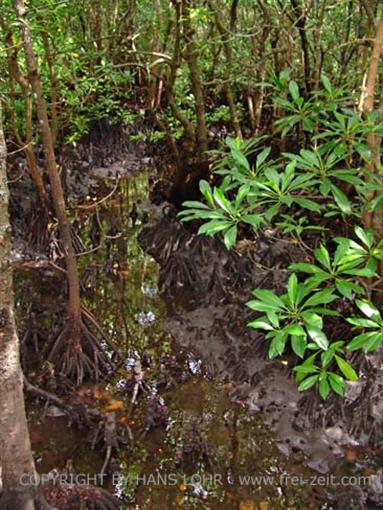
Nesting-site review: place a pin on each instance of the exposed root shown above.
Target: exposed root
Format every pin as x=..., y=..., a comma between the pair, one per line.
x=79, y=354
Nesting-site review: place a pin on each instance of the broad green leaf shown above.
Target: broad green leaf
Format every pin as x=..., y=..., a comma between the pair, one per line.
x=241, y=194
x=318, y=336
x=213, y=227
x=206, y=191
x=366, y=236
x=292, y=288
x=294, y=90
x=326, y=83
x=298, y=343
x=336, y=383
x=307, y=204
x=321, y=297
x=344, y=288
x=295, y=329
x=240, y=158
x=262, y=156
x=362, y=323
x=269, y=297
x=260, y=325
x=341, y=200
x=277, y=346
x=368, y=309
x=313, y=318
x=255, y=220
x=273, y=318
x=360, y=341
x=346, y=369
x=322, y=255
x=374, y=342
x=230, y=237
x=194, y=205
x=306, y=268
x=324, y=387
x=222, y=201
x=308, y=382
x=261, y=306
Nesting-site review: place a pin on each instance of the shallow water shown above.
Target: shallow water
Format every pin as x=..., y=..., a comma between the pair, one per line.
x=207, y=452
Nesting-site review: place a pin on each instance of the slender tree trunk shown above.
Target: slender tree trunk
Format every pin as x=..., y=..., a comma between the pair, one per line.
x=54, y=87
x=16, y=459
x=191, y=57
x=301, y=26
x=74, y=306
x=227, y=49
x=16, y=75
x=373, y=219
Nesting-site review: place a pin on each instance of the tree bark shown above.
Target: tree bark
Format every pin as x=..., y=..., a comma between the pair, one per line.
x=16, y=459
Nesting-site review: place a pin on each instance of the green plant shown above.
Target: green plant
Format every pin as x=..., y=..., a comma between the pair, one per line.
x=324, y=166
x=294, y=316
x=338, y=270
x=316, y=370
x=372, y=339
x=223, y=215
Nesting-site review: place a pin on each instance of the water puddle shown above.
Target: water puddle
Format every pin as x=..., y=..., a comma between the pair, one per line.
x=182, y=442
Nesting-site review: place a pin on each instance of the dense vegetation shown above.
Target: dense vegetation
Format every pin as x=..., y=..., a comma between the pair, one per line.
x=271, y=116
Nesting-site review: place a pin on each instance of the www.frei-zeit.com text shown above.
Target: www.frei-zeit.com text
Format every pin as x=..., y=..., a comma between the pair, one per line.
x=214, y=479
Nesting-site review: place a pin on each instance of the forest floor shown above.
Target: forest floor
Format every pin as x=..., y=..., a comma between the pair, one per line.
x=194, y=416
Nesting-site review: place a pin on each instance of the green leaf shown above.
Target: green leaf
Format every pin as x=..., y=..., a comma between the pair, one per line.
x=322, y=255
x=214, y=226
x=260, y=325
x=367, y=237
x=374, y=342
x=240, y=158
x=269, y=297
x=312, y=318
x=318, y=336
x=307, y=204
x=336, y=383
x=326, y=83
x=321, y=297
x=360, y=341
x=341, y=200
x=306, y=268
x=262, y=156
x=346, y=369
x=230, y=237
x=277, y=345
x=368, y=309
x=294, y=90
x=362, y=323
x=255, y=220
x=344, y=288
x=222, y=201
x=298, y=343
x=295, y=329
x=292, y=288
x=205, y=189
x=306, y=368
x=241, y=194
x=194, y=205
x=260, y=306
x=273, y=318
x=324, y=387
x=308, y=382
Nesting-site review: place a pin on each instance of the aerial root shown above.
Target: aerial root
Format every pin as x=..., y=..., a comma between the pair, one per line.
x=78, y=354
